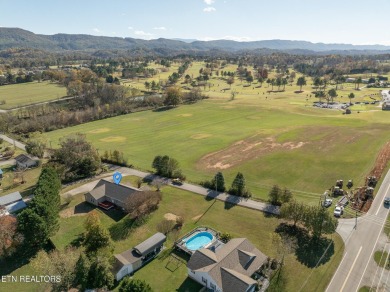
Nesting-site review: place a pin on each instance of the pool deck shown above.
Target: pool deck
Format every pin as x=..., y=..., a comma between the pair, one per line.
x=181, y=243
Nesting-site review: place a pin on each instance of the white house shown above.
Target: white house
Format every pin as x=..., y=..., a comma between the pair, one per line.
x=228, y=268
x=133, y=259
x=11, y=203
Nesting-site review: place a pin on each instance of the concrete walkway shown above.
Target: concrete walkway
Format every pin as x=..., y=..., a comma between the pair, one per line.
x=224, y=197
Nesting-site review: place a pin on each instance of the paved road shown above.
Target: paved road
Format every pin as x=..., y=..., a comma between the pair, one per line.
x=12, y=141
x=188, y=187
x=357, y=267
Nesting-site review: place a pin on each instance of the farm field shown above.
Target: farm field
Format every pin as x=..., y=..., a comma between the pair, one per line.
x=271, y=141
x=17, y=95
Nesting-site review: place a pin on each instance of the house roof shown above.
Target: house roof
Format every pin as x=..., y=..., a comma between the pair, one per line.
x=115, y=191
x=10, y=198
x=150, y=244
x=16, y=206
x=234, y=263
x=23, y=158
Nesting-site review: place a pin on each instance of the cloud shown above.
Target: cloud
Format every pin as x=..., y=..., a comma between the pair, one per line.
x=209, y=9
x=160, y=28
x=208, y=2
x=130, y=27
x=96, y=30
x=143, y=34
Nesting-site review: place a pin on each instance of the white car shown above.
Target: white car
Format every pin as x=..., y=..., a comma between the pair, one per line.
x=338, y=211
x=327, y=203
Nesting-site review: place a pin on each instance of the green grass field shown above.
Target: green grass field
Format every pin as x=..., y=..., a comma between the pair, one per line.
x=17, y=95
x=269, y=141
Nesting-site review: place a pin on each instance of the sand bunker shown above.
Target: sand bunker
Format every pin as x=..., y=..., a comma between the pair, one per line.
x=245, y=150
x=200, y=136
x=100, y=130
x=113, y=139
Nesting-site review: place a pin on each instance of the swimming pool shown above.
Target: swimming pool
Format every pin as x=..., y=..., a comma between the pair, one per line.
x=199, y=240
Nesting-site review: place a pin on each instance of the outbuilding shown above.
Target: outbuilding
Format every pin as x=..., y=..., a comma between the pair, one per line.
x=133, y=259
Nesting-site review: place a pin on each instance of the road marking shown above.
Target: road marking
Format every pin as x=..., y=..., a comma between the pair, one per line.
x=379, y=234
x=350, y=270
x=381, y=205
x=336, y=271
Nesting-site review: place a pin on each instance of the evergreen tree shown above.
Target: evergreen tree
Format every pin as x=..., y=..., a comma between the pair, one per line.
x=134, y=285
x=82, y=268
x=96, y=236
x=238, y=187
x=218, y=182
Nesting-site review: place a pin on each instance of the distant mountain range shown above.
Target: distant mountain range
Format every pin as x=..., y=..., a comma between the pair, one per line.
x=19, y=38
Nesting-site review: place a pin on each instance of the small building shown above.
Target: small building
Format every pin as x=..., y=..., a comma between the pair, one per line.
x=229, y=268
x=133, y=259
x=350, y=80
x=25, y=161
x=12, y=202
x=107, y=194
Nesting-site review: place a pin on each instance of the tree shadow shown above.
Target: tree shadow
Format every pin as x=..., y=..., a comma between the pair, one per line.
x=122, y=229
x=163, y=109
x=77, y=242
x=311, y=251
x=189, y=285
x=271, y=211
x=231, y=201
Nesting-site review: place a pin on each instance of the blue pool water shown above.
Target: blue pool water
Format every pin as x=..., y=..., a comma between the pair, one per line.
x=199, y=240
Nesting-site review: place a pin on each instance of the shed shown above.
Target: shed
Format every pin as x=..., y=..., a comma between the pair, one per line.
x=14, y=207
x=25, y=161
x=150, y=244
x=133, y=259
x=10, y=198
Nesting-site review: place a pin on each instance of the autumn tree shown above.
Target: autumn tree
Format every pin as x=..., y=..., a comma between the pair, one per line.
x=9, y=237
x=173, y=96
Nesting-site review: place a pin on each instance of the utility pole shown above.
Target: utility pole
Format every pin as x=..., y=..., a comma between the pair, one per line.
x=356, y=221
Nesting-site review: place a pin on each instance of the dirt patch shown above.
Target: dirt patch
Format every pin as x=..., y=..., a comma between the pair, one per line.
x=200, y=136
x=185, y=115
x=197, y=217
x=170, y=217
x=245, y=150
x=381, y=161
x=100, y=130
x=113, y=139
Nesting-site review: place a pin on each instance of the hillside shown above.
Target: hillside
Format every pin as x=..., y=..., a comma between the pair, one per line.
x=19, y=38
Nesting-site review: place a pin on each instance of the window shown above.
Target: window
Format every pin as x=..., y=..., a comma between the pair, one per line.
x=204, y=280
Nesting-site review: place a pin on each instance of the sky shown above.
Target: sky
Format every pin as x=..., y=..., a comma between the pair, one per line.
x=330, y=21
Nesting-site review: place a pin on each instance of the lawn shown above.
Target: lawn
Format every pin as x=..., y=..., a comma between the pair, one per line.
x=382, y=259
x=17, y=95
x=238, y=221
x=270, y=141
x=9, y=186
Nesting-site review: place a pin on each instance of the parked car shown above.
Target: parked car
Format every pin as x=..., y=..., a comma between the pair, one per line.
x=387, y=201
x=177, y=181
x=327, y=203
x=338, y=211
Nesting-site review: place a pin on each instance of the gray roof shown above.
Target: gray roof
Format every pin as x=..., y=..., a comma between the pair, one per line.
x=150, y=244
x=10, y=198
x=23, y=158
x=232, y=266
x=133, y=255
x=112, y=190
